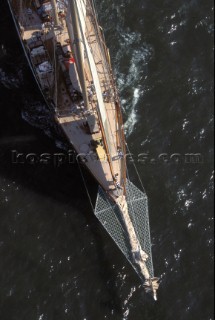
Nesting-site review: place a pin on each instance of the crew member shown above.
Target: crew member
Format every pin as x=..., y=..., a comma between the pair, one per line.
x=120, y=153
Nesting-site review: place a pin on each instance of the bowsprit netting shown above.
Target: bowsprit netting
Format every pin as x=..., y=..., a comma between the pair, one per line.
x=109, y=215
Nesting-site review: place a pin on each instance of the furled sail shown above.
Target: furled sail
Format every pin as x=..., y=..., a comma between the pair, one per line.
x=81, y=8
x=82, y=12
x=77, y=46
x=101, y=106
x=73, y=72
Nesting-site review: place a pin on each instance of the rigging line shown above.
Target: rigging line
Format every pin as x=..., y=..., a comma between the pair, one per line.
x=104, y=67
x=85, y=44
x=82, y=12
x=99, y=37
x=95, y=53
x=94, y=8
x=134, y=216
x=85, y=185
x=141, y=186
x=135, y=167
x=55, y=73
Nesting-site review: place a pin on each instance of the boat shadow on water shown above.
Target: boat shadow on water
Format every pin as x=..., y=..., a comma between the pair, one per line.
x=62, y=183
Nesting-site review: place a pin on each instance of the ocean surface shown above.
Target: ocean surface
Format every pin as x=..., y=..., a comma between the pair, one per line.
x=56, y=262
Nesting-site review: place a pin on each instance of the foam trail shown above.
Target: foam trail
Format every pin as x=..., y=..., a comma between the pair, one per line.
x=126, y=304
x=132, y=118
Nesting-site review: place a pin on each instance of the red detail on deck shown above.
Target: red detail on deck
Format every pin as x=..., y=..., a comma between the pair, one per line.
x=72, y=60
x=68, y=62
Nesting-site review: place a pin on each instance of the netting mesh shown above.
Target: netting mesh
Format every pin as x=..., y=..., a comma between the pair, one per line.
x=109, y=216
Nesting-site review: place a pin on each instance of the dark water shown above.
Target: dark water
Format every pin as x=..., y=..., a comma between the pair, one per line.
x=56, y=262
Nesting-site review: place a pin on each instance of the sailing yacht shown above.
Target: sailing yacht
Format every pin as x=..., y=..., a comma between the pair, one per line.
x=66, y=51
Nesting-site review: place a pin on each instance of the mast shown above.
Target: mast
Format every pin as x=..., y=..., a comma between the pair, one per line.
x=69, y=28
x=78, y=50
x=55, y=13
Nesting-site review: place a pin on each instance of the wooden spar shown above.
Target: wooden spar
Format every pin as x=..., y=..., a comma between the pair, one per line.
x=55, y=13
x=119, y=119
x=101, y=110
x=120, y=134
x=78, y=50
x=69, y=28
x=71, y=37
x=122, y=142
